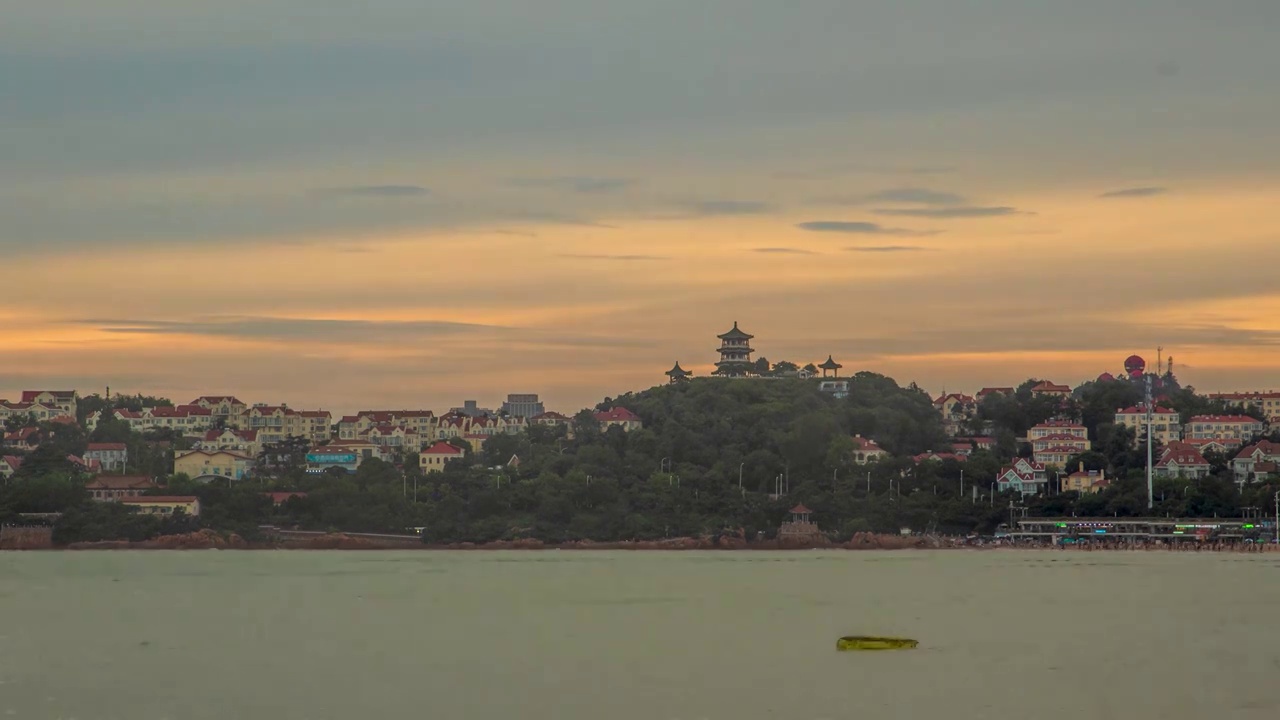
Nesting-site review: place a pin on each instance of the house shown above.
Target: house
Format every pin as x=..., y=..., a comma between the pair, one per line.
x=316, y=425
x=955, y=409
x=1085, y=481
x=866, y=450
x=221, y=407
x=1268, y=402
x=1165, y=425
x=618, y=417
x=1223, y=427
x=164, y=504
x=423, y=422
x=90, y=466
x=1057, y=427
x=937, y=457
x=274, y=423
x=64, y=400
x=27, y=438
x=967, y=445
x=244, y=442
x=475, y=441
x=985, y=392
x=1026, y=477
x=1183, y=461
x=1057, y=448
x=1257, y=462
x=186, y=419
x=9, y=465
x=550, y=418
x=36, y=411
x=436, y=456
x=392, y=436
x=109, y=488
x=112, y=456
x=838, y=389
x=1046, y=388
x=1219, y=446
x=212, y=465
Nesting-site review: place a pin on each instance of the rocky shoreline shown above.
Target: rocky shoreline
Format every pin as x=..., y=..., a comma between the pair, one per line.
x=212, y=540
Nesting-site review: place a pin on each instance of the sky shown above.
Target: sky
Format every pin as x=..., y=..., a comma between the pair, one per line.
x=409, y=203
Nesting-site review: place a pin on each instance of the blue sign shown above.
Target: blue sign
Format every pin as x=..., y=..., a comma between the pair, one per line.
x=346, y=458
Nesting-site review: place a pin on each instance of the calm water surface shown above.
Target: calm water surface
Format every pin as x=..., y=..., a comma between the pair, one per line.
x=643, y=636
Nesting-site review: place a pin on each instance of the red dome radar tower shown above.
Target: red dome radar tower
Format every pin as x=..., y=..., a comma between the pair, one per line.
x=1135, y=366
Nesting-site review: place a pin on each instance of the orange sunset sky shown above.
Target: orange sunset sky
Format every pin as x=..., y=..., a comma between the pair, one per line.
x=411, y=204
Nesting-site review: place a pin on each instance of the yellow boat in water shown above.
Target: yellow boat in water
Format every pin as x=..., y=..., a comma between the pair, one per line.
x=867, y=642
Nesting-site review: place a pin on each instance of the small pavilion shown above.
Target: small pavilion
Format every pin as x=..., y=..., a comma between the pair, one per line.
x=830, y=366
x=678, y=374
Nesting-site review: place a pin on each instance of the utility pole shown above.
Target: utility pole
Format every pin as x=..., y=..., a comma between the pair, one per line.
x=740, y=466
x=961, y=482
x=1151, y=497
x=1278, y=516
x=868, y=482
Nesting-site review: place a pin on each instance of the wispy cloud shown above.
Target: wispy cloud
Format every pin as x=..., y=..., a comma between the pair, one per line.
x=265, y=327
x=886, y=248
x=858, y=228
x=1135, y=192
x=922, y=196
x=620, y=258
x=948, y=212
x=710, y=208
x=838, y=169
x=377, y=191
x=783, y=251
x=585, y=184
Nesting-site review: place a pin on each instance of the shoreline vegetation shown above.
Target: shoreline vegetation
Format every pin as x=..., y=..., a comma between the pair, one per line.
x=211, y=540
x=706, y=464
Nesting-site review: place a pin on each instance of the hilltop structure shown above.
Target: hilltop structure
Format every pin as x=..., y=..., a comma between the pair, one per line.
x=735, y=352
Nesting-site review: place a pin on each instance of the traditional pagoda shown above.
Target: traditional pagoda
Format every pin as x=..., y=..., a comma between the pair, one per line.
x=735, y=352
x=678, y=374
x=830, y=366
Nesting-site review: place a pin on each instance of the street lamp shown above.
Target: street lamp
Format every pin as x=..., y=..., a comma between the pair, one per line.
x=1278, y=516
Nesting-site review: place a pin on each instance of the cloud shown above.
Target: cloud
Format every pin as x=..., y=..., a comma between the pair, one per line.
x=858, y=228
x=783, y=251
x=710, y=208
x=266, y=327
x=1135, y=192
x=378, y=191
x=621, y=258
x=585, y=184
x=948, y=212
x=922, y=196
x=886, y=248
x=827, y=171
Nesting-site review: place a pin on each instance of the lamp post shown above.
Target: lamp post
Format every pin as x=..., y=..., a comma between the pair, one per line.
x=1278, y=516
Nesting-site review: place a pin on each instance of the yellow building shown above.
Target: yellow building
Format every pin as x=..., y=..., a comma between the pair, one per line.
x=1085, y=481
x=209, y=465
x=164, y=504
x=1166, y=426
x=437, y=456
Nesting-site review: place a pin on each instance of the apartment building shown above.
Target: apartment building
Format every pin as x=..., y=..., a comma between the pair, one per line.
x=1166, y=426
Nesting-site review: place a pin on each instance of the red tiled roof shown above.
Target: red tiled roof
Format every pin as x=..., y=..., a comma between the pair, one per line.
x=31, y=395
x=1135, y=410
x=13, y=461
x=616, y=414
x=120, y=482
x=104, y=447
x=442, y=448
x=1181, y=454
x=866, y=444
x=550, y=415
x=21, y=434
x=216, y=399
x=1059, y=424
x=148, y=499
x=1060, y=436
x=1224, y=419
x=801, y=510
x=315, y=413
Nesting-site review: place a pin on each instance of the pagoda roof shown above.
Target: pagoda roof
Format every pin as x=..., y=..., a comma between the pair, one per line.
x=678, y=371
x=801, y=510
x=735, y=334
x=830, y=364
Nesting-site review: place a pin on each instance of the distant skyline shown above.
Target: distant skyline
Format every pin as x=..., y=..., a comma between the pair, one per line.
x=412, y=204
